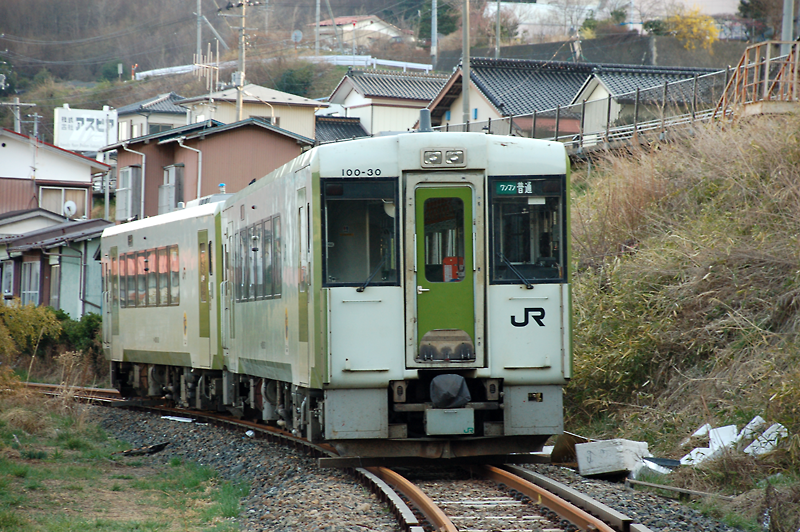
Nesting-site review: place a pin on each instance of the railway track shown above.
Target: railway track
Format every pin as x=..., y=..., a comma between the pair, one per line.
x=474, y=498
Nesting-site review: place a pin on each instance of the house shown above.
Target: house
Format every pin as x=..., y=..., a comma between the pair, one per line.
x=616, y=86
x=335, y=128
x=360, y=30
x=386, y=101
x=152, y=115
x=54, y=266
x=512, y=88
x=15, y=223
x=159, y=171
x=287, y=111
x=38, y=174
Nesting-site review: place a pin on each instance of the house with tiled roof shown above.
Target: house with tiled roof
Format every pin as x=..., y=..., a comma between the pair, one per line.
x=157, y=172
x=511, y=87
x=152, y=115
x=38, y=174
x=385, y=100
x=611, y=92
x=286, y=111
x=336, y=128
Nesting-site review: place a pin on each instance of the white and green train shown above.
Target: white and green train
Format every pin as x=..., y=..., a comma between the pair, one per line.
x=394, y=296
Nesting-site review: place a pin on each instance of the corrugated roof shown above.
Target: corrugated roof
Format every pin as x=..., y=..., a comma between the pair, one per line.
x=73, y=231
x=333, y=128
x=517, y=87
x=395, y=84
x=163, y=103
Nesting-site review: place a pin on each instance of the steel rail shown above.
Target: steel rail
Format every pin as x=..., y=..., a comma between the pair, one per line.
x=564, y=509
x=435, y=516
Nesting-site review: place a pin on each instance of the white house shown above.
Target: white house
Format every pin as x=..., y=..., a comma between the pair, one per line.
x=365, y=30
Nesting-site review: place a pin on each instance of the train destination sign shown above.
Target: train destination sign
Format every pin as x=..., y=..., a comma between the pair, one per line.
x=527, y=187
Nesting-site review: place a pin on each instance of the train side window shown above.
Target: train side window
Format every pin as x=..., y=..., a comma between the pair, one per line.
x=163, y=277
x=203, y=266
x=237, y=266
x=131, y=269
x=266, y=257
x=277, y=277
x=257, y=261
x=151, y=266
x=175, y=276
x=526, y=224
x=123, y=283
x=360, y=232
x=141, y=280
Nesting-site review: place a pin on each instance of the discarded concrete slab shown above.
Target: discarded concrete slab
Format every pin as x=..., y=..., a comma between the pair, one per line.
x=752, y=429
x=768, y=441
x=722, y=437
x=609, y=456
x=696, y=456
x=645, y=466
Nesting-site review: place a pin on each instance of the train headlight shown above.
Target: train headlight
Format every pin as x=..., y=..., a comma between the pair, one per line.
x=455, y=157
x=432, y=158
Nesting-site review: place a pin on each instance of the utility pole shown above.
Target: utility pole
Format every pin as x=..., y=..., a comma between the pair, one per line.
x=15, y=105
x=199, y=49
x=497, y=33
x=316, y=33
x=786, y=28
x=36, y=117
x=434, y=33
x=465, y=70
x=240, y=74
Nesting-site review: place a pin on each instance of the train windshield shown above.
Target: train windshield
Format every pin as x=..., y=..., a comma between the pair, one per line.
x=360, y=232
x=527, y=223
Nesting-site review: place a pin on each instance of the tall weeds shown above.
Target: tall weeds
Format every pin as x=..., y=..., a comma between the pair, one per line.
x=688, y=286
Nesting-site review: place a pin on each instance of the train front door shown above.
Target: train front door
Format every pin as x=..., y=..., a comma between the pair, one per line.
x=445, y=275
x=204, y=310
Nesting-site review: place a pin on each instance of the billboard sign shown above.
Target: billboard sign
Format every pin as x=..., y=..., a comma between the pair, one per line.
x=84, y=129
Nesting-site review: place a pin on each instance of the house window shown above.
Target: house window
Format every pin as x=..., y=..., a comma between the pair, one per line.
x=8, y=278
x=128, y=192
x=123, y=131
x=447, y=115
x=55, y=286
x=171, y=191
x=158, y=128
x=55, y=199
x=30, y=282
x=134, y=130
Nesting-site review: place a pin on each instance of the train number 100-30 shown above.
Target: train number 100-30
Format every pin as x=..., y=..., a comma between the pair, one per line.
x=356, y=172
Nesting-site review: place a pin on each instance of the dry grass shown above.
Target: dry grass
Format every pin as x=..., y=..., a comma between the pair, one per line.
x=687, y=296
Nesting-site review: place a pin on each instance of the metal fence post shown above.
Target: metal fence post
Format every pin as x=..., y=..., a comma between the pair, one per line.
x=694, y=99
x=558, y=117
x=608, y=116
x=533, y=126
x=583, y=118
x=664, y=107
x=636, y=117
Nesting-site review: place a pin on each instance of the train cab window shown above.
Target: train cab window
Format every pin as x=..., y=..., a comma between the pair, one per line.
x=360, y=232
x=175, y=276
x=527, y=221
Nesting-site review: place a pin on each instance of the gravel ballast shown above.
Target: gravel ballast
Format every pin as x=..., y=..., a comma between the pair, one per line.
x=290, y=493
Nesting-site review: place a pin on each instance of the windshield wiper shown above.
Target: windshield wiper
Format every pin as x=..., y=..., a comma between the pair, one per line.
x=380, y=265
x=511, y=267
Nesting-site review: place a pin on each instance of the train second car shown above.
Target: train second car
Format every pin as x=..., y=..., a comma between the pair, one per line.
x=395, y=296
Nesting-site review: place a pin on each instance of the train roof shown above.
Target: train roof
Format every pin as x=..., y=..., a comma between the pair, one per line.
x=208, y=209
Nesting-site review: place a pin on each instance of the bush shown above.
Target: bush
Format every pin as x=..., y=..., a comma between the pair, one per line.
x=27, y=325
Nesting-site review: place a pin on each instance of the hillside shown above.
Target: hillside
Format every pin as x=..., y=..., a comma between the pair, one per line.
x=687, y=302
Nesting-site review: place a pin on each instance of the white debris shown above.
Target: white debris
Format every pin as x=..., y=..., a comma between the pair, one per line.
x=609, y=456
x=723, y=437
x=750, y=431
x=176, y=418
x=702, y=431
x=250, y=433
x=696, y=456
x=767, y=441
x=646, y=466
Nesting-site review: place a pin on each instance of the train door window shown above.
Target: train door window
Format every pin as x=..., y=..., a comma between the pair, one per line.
x=131, y=269
x=113, y=284
x=266, y=257
x=141, y=280
x=360, y=231
x=444, y=240
x=237, y=267
x=151, y=266
x=277, y=277
x=175, y=276
x=527, y=221
x=202, y=266
x=163, y=277
x=122, y=285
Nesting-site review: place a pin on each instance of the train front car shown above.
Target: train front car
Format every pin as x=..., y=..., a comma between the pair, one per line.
x=443, y=294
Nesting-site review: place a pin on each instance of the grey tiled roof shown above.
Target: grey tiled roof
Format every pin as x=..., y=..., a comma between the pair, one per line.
x=391, y=84
x=163, y=103
x=333, y=128
x=517, y=86
x=621, y=80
